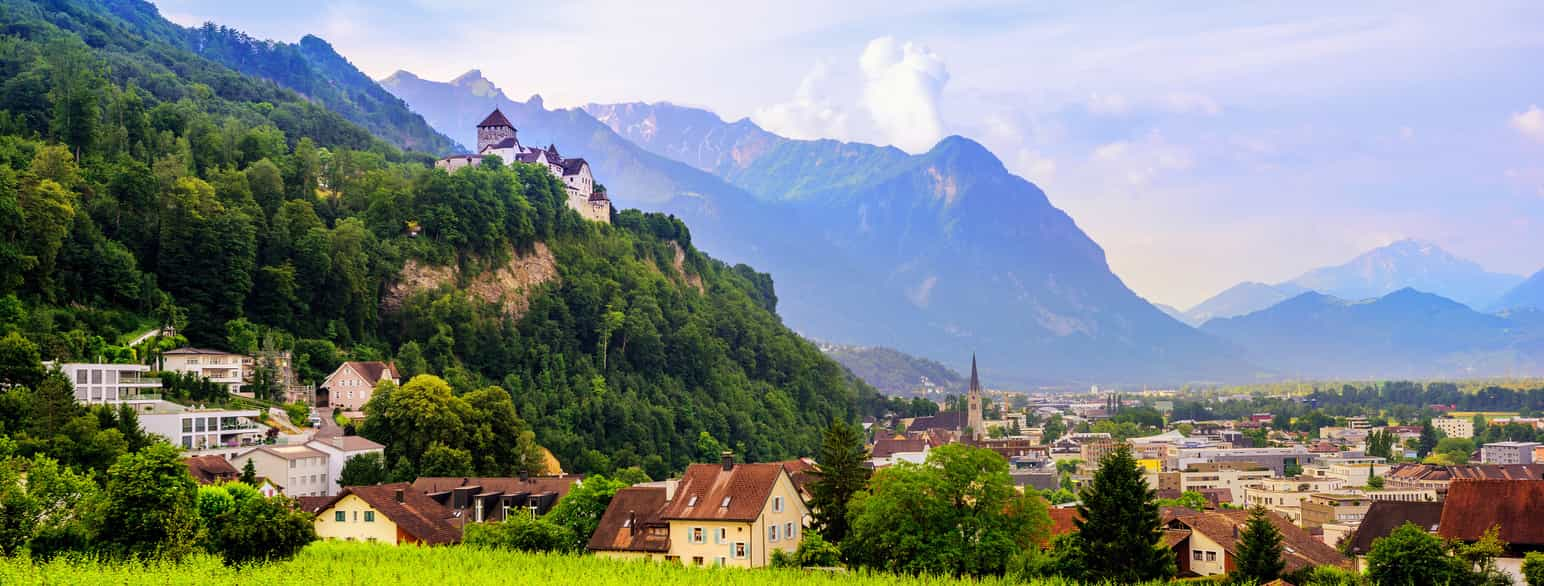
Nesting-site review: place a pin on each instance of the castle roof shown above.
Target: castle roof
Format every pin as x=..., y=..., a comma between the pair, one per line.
x=573, y=166
x=507, y=143
x=494, y=120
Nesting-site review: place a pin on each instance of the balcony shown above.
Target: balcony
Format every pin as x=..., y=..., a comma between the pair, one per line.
x=126, y=380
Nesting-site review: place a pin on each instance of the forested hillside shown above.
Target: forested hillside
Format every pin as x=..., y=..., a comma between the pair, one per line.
x=142, y=185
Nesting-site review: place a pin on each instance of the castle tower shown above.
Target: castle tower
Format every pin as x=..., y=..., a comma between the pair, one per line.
x=973, y=418
x=495, y=129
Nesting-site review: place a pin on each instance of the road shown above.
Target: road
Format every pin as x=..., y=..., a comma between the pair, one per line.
x=328, y=428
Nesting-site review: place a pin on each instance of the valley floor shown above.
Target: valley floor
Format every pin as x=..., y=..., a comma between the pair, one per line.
x=384, y=565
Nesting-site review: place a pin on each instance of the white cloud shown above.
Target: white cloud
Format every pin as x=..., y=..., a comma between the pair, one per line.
x=1530, y=123
x=810, y=114
x=902, y=84
x=1108, y=104
x=1138, y=162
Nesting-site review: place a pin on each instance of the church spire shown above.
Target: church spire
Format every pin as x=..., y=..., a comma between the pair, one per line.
x=975, y=381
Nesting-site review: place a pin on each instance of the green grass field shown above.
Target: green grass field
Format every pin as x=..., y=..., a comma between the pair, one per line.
x=384, y=565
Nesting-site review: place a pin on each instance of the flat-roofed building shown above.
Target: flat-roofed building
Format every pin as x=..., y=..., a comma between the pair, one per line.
x=1459, y=427
x=109, y=384
x=1508, y=452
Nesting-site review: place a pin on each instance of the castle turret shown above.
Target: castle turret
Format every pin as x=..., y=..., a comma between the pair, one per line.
x=494, y=130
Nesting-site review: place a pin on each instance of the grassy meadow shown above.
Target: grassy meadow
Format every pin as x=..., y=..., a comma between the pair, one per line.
x=384, y=565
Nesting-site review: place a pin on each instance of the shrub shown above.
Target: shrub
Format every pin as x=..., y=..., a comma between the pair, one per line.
x=815, y=552
x=1533, y=568
x=520, y=533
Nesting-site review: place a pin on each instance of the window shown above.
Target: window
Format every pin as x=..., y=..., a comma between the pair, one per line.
x=1196, y=555
x=697, y=560
x=292, y=464
x=698, y=536
x=1211, y=556
x=788, y=530
x=369, y=516
x=740, y=550
x=777, y=504
x=692, y=502
x=772, y=533
x=340, y=516
x=725, y=504
x=721, y=536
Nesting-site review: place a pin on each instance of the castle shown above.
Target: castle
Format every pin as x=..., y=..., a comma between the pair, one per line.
x=496, y=136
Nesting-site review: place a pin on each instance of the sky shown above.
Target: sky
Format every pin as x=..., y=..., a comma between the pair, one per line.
x=1201, y=144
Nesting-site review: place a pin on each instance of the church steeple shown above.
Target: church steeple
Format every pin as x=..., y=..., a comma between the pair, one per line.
x=973, y=418
x=975, y=380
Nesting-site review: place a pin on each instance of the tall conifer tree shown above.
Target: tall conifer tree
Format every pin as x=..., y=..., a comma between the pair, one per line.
x=1119, y=531
x=1259, y=550
x=840, y=476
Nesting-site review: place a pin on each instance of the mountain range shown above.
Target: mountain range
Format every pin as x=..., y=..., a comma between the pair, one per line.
x=1415, y=264
x=937, y=254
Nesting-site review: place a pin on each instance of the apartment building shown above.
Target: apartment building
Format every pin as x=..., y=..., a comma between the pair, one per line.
x=302, y=471
x=1508, y=452
x=1459, y=427
x=1277, y=459
x=226, y=368
x=1285, y=495
x=1349, y=507
x=99, y=384
x=201, y=429
x=339, y=450
x=1230, y=476
x=1354, y=469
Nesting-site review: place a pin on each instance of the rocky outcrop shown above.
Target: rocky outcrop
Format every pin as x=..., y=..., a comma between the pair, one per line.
x=509, y=285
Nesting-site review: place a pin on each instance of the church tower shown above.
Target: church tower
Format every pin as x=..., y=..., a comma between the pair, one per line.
x=973, y=418
x=495, y=129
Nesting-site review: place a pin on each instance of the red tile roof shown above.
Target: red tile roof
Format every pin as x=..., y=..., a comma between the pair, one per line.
x=1517, y=506
x=704, y=487
x=1063, y=521
x=1386, y=516
x=535, y=484
x=374, y=370
x=1299, y=549
x=495, y=119
x=641, y=504
x=888, y=446
x=211, y=469
x=417, y=515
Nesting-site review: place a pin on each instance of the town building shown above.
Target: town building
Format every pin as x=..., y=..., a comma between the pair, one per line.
x=387, y=513
x=339, y=450
x=211, y=469
x=1354, y=469
x=1459, y=427
x=1348, y=507
x=975, y=428
x=496, y=136
x=479, y=500
x=1438, y=478
x=300, y=469
x=352, y=384
x=1383, y=517
x=891, y=450
x=1285, y=496
x=1232, y=476
x=1206, y=543
x=1277, y=459
x=227, y=368
x=1508, y=452
x=196, y=428
x=724, y=514
x=1513, y=506
x=110, y=384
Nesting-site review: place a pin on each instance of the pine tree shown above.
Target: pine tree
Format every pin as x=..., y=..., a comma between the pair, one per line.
x=249, y=474
x=1428, y=441
x=1259, y=550
x=841, y=475
x=1120, y=528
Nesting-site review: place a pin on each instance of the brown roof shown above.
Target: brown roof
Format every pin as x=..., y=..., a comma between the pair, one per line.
x=704, y=487
x=1173, y=537
x=1063, y=520
x=1517, y=506
x=534, y=484
x=643, y=504
x=1386, y=516
x=888, y=446
x=507, y=143
x=799, y=471
x=495, y=119
x=210, y=469
x=1438, y=473
x=573, y=166
x=943, y=420
x=373, y=370
x=419, y=516
x=314, y=504
x=1299, y=549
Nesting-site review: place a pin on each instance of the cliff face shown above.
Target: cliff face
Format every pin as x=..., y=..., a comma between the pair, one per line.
x=510, y=285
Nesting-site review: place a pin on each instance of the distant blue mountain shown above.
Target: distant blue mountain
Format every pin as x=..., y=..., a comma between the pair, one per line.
x=1241, y=299
x=936, y=254
x=1527, y=294
x=1406, y=333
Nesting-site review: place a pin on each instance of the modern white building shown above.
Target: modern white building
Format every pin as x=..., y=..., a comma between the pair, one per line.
x=1508, y=452
x=195, y=428
x=1459, y=427
x=99, y=384
x=300, y=470
x=226, y=368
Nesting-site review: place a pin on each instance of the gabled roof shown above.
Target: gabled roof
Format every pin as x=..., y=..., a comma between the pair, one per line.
x=888, y=446
x=534, y=485
x=1517, y=506
x=799, y=471
x=507, y=143
x=704, y=488
x=372, y=370
x=496, y=118
x=344, y=443
x=573, y=166
x=290, y=452
x=1299, y=549
x=641, y=504
x=417, y=515
x=1386, y=516
x=210, y=469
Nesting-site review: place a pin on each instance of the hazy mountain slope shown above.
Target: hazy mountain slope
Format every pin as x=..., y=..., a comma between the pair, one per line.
x=894, y=372
x=1410, y=263
x=1527, y=294
x=1171, y=311
x=945, y=252
x=1406, y=333
x=1241, y=299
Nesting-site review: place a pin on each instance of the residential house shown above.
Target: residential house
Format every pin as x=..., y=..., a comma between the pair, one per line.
x=1514, y=507
x=211, y=469
x=1383, y=517
x=110, y=384
x=303, y=469
x=387, y=513
x=802, y=472
x=197, y=428
x=889, y=450
x=350, y=386
x=1205, y=543
x=631, y=527
x=267, y=488
x=724, y=514
x=339, y=450
x=477, y=500
x=227, y=368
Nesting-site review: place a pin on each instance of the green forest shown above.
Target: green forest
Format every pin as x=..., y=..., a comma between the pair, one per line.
x=142, y=185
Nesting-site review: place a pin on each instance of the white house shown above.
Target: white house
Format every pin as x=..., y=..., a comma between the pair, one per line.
x=339, y=450
x=226, y=368
x=111, y=383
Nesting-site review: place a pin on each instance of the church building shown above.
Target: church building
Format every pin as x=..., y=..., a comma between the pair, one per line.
x=973, y=420
x=496, y=136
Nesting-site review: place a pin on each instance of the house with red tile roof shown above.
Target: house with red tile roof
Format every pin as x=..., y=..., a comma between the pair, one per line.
x=352, y=384
x=387, y=513
x=1206, y=542
x=1514, y=507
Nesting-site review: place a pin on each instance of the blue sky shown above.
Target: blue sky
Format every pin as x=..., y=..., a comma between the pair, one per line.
x=1200, y=145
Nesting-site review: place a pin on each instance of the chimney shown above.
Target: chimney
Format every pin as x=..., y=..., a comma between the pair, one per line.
x=632, y=523
x=398, y=495
x=727, y=459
